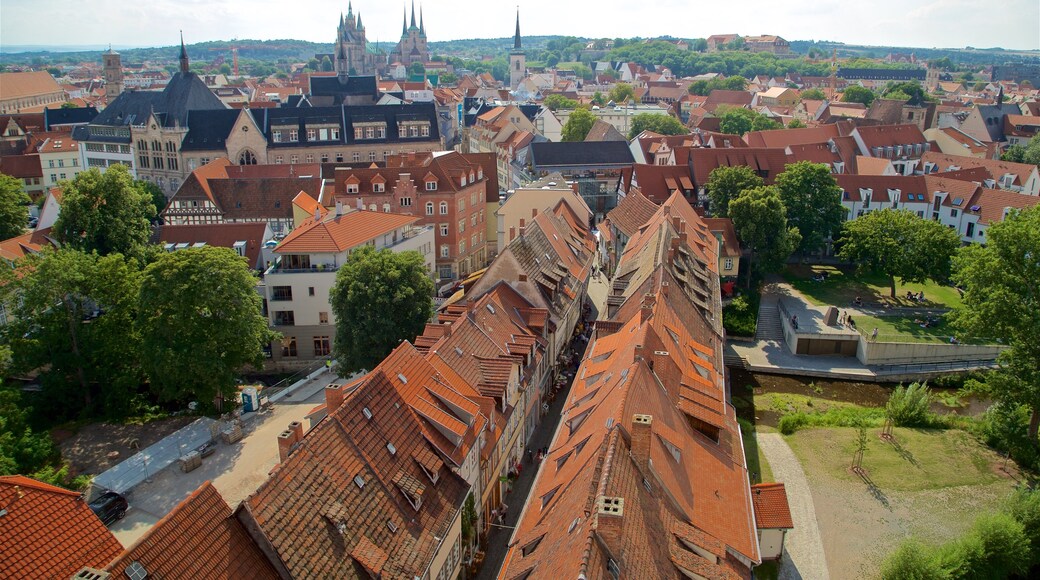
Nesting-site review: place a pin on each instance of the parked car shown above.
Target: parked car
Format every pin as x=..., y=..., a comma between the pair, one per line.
x=110, y=507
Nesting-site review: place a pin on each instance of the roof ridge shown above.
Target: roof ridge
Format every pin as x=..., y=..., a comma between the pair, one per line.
x=28, y=482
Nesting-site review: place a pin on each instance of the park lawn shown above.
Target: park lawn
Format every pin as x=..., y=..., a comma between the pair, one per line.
x=842, y=287
x=758, y=468
x=902, y=329
x=919, y=459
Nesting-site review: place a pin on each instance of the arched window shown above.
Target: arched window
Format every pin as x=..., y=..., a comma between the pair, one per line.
x=247, y=158
x=444, y=208
x=429, y=208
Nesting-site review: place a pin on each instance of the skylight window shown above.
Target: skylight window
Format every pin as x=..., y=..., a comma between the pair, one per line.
x=366, y=413
x=359, y=481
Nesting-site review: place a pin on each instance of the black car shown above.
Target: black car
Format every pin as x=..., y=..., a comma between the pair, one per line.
x=110, y=507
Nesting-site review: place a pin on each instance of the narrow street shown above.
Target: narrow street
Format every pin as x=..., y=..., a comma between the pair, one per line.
x=498, y=537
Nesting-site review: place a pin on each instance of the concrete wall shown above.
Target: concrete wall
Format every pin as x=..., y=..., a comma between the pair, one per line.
x=884, y=353
x=771, y=543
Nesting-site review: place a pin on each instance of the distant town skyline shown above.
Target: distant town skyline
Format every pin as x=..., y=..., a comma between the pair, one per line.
x=1010, y=24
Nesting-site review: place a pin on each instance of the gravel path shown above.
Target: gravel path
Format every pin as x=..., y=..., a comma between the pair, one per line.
x=803, y=549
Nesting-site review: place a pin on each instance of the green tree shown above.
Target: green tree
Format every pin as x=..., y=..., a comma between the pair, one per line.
x=21, y=449
x=910, y=91
x=599, y=99
x=73, y=325
x=738, y=121
x=912, y=561
x=448, y=79
x=14, y=207
x=895, y=242
x=326, y=64
x=314, y=64
x=200, y=323
x=760, y=219
x=417, y=69
x=155, y=195
x=663, y=124
x=380, y=298
x=1029, y=154
x=812, y=95
x=704, y=87
x=104, y=212
x=858, y=94
x=725, y=184
x=552, y=59
x=578, y=125
x=795, y=124
x=557, y=102
x=1001, y=282
x=621, y=93
x=1014, y=154
x=813, y=202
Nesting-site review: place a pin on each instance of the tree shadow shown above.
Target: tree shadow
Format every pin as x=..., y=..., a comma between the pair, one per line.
x=903, y=452
x=873, y=489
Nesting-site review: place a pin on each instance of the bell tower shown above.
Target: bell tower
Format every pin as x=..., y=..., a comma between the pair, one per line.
x=113, y=69
x=517, y=57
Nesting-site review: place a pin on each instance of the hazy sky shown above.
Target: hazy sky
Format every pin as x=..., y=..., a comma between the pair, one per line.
x=925, y=23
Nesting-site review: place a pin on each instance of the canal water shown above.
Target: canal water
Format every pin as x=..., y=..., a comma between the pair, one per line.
x=745, y=385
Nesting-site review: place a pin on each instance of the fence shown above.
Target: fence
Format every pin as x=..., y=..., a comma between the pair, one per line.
x=299, y=376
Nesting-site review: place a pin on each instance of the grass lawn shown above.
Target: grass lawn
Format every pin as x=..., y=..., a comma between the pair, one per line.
x=919, y=459
x=758, y=468
x=902, y=329
x=842, y=286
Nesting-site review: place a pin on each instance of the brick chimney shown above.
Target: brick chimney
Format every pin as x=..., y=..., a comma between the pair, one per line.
x=647, y=309
x=297, y=428
x=333, y=398
x=641, y=434
x=285, y=443
x=610, y=513
x=339, y=208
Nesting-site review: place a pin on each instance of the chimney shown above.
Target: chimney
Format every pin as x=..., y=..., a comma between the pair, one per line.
x=637, y=353
x=641, y=440
x=676, y=223
x=285, y=443
x=534, y=213
x=647, y=309
x=610, y=513
x=317, y=212
x=339, y=208
x=333, y=398
x=297, y=428
x=360, y=204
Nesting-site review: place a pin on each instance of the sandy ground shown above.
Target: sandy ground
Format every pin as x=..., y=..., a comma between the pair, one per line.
x=88, y=450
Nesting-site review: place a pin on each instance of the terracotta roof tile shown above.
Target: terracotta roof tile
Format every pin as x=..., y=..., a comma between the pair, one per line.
x=771, y=508
x=335, y=234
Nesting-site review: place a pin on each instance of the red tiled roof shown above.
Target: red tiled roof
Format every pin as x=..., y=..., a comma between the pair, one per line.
x=889, y=136
x=221, y=235
x=771, y=509
x=632, y=212
x=25, y=244
x=996, y=167
x=49, y=532
x=785, y=137
x=992, y=203
x=770, y=161
x=199, y=538
x=335, y=234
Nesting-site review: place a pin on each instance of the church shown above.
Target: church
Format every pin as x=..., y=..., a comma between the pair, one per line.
x=351, y=54
x=412, y=46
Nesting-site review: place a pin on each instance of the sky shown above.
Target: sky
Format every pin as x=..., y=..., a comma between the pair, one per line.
x=1012, y=24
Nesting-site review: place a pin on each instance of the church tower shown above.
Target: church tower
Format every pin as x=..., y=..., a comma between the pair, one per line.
x=184, y=57
x=113, y=68
x=517, y=58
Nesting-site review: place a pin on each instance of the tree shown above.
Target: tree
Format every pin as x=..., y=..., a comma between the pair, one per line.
x=104, y=212
x=578, y=125
x=552, y=59
x=621, y=93
x=703, y=87
x=795, y=124
x=760, y=219
x=73, y=325
x=738, y=121
x=326, y=64
x=21, y=450
x=14, y=207
x=1028, y=154
x=417, y=69
x=858, y=94
x=813, y=202
x=200, y=322
x=1001, y=282
x=812, y=95
x=725, y=184
x=598, y=99
x=895, y=242
x=225, y=69
x=663, y=124
x=556, y=102
x=448, y=79
x=910, y=91
x=380, y=298
x=155, y=195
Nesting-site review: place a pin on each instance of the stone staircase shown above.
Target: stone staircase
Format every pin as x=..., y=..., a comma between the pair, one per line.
x=731, y=358
x=769, y=327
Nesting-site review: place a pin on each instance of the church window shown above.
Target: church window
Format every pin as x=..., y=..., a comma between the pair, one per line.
x=157, y=162
x=517, y=65
x=142, y=161
x=156, y=146
x=247, y=158
x=142, y=145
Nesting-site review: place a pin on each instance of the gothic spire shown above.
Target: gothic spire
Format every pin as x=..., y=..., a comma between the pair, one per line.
x=516, y=37
x=350, y=10
x=413, y=15
x=422, y=27
x=404, y=20
x=184, y=56
x=359, y=25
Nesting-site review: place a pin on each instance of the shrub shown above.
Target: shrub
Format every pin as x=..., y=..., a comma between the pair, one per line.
x=740, y=317
x=909, y=407
x=835, y=417
x=1006, y=429
x=911, y=561
x=1024, y=506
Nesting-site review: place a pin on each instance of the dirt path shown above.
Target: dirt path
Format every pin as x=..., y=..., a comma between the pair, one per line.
x=803, y=554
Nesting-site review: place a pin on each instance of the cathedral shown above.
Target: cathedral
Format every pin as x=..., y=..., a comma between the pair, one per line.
x=352, y=55
x=412, y=47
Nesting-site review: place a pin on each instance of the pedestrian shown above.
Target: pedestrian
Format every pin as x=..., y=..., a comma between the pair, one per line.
x=873, y=335
x=529, y=454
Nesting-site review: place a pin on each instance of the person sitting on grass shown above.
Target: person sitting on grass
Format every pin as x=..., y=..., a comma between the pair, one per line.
x=858, y=301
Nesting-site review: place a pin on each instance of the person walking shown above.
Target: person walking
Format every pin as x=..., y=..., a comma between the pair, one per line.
x=873, y=335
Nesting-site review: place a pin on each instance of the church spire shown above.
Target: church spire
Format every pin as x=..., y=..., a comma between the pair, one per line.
x=350, y=10
x=359, y=25
x=413, y=15
x=516, y=37
x=404, y=20
x=184, y=56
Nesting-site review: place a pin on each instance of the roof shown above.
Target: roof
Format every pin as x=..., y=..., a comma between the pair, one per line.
x=185, y=92
x=208, y=129
x=581, y=154
x=49, y=532
x=356, y=480
x=200, y=537
x=247, y=192
x=995, y=167
x=993, y=202
x=25, y=244
x=771, y=509
x=221, y=235
x=632, y=212
x=785, y=137
x=604, y=131
x=21, y=166
x=67, y=116
x=338, y=233
x=723, y=227
x=19, y=85
x=658, y=182
x=889, y=136
x=767, y=162
x=345, y=117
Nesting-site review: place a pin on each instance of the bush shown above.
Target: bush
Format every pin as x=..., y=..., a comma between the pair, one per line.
x=1005, y=547
x=911, y=561
x=1006, y=429
x=836, y=417
x=740, y=317
x=1024, y=506
x=909, y=407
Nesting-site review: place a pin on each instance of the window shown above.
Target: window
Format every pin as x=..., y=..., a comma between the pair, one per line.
x=405, y=201
x=289, y=346
x=462, y=247
x=276, y=136
x=953, y=213
x=473, y=221
x=334, y=133
x=462, y=225
x=444, y=207
x=310, y=159
x=294, y=159
x=247, y=158
x=324, y=157
x=429, y=208
x=425, y=130
x=371, y=155
x=380, y=188
x=370, y=132
x=294, y=135
x=432, y=186
x=381, y=132
x=310, y=291
x=142, y=161
x=413, y=131
x=51, y=163
x=386, y=208
x=444, y=229
x=462, y=204
x=358, y=132
x=323, y=318
x=445, y=252
x=728, y=264
x=356, y=157
x=284, y=318
x=54, y=177
x=278, y=159
x=311, y=134
x=352, y=188
x=322, y=346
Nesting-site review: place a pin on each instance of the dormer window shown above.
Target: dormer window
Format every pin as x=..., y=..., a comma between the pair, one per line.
x=431, y=185
x=378, y=187
x=352, y=188
x=462, y=181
